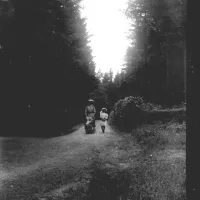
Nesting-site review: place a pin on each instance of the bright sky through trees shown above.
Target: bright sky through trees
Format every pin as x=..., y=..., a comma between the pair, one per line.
x=108, y=27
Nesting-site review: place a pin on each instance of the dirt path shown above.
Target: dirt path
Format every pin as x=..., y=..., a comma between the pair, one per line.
x=43, y=165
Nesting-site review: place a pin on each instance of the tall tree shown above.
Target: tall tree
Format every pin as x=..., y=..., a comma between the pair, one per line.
x=159, y=27
x=46, y=58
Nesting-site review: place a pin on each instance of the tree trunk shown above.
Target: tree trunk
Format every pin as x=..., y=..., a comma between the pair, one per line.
x=167, y=71
x=185, y=68
x=145, y=41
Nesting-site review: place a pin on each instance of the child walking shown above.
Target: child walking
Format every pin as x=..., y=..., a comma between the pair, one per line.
x=104, y=118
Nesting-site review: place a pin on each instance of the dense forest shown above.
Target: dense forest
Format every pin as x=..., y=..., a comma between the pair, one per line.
x=155, y=62
x=48, y=72
x=46, y=64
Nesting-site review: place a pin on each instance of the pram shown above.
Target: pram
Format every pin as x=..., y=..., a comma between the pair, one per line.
x=89, y=125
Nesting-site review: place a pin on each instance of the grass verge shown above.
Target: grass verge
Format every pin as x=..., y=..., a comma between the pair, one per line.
x=162, y=165
x=158, y=172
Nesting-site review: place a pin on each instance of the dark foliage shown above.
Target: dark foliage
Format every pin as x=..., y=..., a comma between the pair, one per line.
x=45, y=63
x=126, y=114
x=129, y=113
x=156, y=62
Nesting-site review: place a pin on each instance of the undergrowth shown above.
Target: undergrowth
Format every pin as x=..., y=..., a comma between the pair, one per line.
x=162, y=167
x=131, y=112
x=156, y=174
x=160, y=135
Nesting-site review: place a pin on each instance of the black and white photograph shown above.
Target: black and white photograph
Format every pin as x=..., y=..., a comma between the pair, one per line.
x=93, y=99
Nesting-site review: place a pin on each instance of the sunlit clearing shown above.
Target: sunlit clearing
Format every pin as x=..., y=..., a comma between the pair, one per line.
x=109, y=28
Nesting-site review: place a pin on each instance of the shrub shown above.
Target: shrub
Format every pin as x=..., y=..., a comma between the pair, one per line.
x=129, y=112
x=146, y=106
x=126, y=113
x=150, y=137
